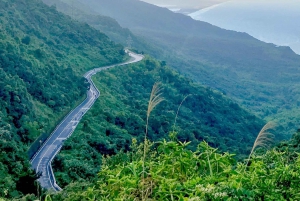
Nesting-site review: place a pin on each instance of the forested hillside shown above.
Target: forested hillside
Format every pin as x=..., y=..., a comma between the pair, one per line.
x=43, y=55
x=263, y=78
x=120, y=115
x=79, y=11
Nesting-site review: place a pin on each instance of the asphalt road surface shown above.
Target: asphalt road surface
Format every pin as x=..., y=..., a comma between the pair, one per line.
x=41, y=161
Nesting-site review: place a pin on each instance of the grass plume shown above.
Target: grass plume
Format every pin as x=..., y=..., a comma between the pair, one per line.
x=155, y=99
x=263, y=138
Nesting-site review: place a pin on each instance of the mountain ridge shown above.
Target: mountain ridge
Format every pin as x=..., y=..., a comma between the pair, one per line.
x=263, y=78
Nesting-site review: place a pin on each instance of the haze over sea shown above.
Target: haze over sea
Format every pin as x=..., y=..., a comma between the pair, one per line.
x=273, y=21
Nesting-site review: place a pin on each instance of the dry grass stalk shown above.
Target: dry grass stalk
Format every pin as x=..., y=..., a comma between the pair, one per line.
x=179, y=109
x=263, y=139
x=155, y=99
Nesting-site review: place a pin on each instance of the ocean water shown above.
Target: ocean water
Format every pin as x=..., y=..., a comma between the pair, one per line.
x=272, y=21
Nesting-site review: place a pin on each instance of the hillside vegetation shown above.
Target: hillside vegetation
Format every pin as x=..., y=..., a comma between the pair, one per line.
x=263, y=78
x=43, y=55
x=173, y=172
x=120, y=115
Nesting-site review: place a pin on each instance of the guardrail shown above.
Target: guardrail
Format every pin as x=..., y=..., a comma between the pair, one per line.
x=92, y=88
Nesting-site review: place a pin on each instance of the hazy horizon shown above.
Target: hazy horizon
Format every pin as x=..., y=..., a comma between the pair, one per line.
x=196, y=4
x=187, y=4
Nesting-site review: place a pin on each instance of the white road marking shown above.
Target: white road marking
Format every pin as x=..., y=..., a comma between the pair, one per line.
x=46, y=151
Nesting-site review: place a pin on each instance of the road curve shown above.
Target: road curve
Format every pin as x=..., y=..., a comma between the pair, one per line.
x=41, y=161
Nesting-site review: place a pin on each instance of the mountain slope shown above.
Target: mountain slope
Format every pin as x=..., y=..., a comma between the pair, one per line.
x=81, y=12
x=43, y=55
x=260, y=76
x=190, y=37
x=119, y=116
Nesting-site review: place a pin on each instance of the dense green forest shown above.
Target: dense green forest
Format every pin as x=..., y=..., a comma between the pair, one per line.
x=43, y=55
x=263, y=78
x=120, y=113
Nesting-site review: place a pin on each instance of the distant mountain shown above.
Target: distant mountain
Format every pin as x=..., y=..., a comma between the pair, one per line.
x=260, y=76
x=184, y=35
x=275, y=21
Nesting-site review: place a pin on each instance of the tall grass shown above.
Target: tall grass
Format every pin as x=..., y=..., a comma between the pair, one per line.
x=178, y=110
x=155, y=99
x=263, y=138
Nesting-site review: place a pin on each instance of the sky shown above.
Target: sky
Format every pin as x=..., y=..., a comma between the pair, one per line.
x=190, y=4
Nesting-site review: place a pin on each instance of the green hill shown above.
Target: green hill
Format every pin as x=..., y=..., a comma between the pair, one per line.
x=120, y=112
x=43, y=55
x=263, y=78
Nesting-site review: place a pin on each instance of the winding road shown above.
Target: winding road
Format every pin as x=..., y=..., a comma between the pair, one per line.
x=41, y=161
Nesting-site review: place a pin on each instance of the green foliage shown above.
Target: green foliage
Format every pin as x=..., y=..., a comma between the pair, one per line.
x=16, y=176
x=291, y=147
x=43, y=55
x=120, y=114
x=177, y=173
